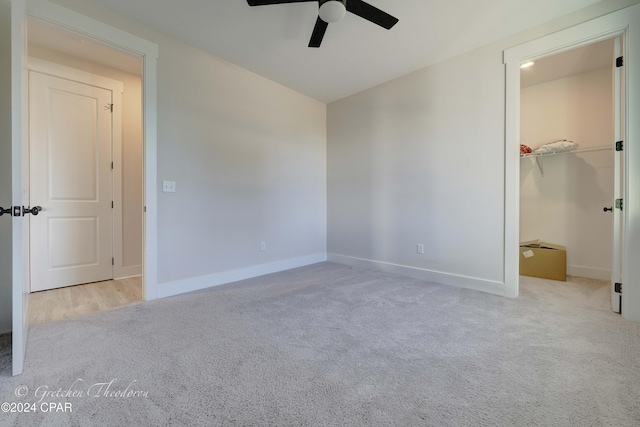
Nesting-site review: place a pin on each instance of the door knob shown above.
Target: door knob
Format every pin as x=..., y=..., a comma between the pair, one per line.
x=5, y=211
x=33, y=211
x=608, y=209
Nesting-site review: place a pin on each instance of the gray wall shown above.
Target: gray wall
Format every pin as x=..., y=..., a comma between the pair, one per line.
x=5, y=165
x=421, y=160
x=248, y=156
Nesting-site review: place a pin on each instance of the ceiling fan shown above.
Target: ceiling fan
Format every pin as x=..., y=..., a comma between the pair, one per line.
x=333, y=11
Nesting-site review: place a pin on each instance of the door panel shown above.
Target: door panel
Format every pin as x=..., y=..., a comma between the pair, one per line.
x=618, y=186
x=81, y=230
x=73, y=147
x=71, y=135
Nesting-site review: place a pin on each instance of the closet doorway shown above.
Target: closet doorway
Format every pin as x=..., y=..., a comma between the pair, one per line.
x=570, y=171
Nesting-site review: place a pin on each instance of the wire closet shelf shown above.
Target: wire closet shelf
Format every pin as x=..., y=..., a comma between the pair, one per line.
x=540, y=156
x=575, y=150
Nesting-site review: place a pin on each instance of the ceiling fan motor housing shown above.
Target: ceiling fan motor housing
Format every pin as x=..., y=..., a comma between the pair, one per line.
x=332, y=10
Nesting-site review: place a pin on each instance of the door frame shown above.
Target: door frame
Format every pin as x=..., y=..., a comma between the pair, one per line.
x=70, y=20
x=626, y=23
x=116, y=88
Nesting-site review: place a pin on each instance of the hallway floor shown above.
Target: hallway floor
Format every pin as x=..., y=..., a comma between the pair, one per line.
x=63, y=303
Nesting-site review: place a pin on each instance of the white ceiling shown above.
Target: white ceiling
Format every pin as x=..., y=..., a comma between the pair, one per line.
x=42, y=34
x=576, y=61
x=355, y=54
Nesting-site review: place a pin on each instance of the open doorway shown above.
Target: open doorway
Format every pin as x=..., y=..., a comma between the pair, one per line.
x=118, y=39
x=568, y=168
x=622, y=23
x=86, y=246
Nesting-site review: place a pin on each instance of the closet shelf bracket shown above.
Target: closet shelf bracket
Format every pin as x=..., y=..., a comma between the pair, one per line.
x=540, y=165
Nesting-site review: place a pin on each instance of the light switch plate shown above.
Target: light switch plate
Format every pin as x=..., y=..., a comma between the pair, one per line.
x=168, y=186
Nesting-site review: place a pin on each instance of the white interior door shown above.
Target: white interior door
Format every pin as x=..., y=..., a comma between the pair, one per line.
x=618, y=190
x=71, y=154
x=19, y=185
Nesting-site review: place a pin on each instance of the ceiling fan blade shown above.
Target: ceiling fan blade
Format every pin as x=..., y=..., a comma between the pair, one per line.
x=318, y=33
x=371, y=13
x=266, y=2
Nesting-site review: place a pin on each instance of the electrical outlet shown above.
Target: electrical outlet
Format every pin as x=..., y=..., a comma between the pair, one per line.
x=168, y=186
x=263, y=246
x=420, y=249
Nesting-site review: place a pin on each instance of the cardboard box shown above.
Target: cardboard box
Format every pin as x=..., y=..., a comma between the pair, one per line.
x=544, y=260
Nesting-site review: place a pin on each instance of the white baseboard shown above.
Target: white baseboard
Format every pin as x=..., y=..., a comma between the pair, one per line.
x=125, y=272
x=196, y=283
x=589, y=272
x=467, y=282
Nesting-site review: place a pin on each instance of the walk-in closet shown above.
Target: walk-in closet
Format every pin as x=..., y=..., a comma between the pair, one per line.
x=567, y=167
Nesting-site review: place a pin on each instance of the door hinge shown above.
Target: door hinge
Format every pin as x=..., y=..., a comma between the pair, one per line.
x=619, y=145
x=145, y=209
x=620, y=61
x=112, y=204
x=619, y=204
x=113, y=261
x=109, y=107
x=618, y=288
x=112, y=164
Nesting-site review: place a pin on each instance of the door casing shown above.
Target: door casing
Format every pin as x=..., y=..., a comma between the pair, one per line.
x=148, y=52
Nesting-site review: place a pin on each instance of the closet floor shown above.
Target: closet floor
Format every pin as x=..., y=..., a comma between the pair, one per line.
x=593, y=292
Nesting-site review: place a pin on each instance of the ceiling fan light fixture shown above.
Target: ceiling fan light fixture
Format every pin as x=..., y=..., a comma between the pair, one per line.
x=332, y=11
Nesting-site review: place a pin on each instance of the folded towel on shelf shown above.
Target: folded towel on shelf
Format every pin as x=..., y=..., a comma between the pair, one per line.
x=556, y=146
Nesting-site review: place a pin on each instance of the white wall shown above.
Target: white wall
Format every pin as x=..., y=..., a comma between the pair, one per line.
x=249, y=159
x=132, y=174
x=5, y=166
x=565, y=206
x=421, y=160
x=132, y=196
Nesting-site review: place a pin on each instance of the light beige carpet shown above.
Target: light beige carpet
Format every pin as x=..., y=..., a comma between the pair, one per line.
x=330, y=345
